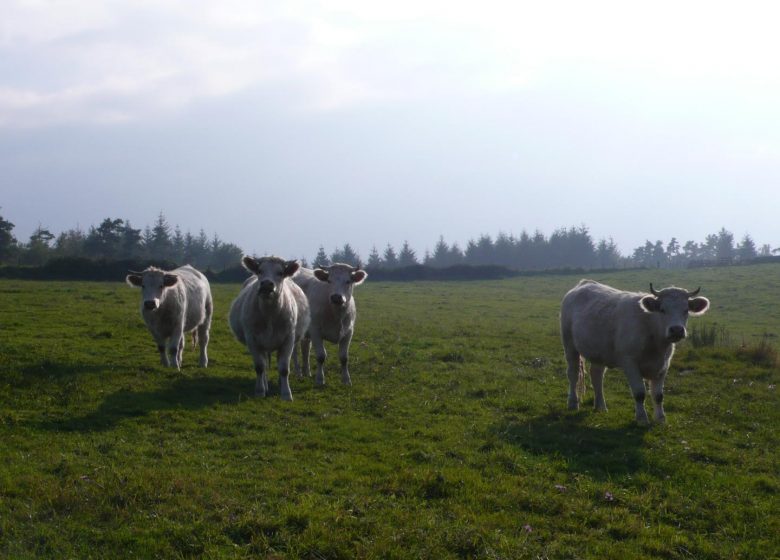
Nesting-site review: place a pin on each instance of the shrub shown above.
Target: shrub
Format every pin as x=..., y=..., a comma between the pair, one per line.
x=761, y=353
x=705, y=335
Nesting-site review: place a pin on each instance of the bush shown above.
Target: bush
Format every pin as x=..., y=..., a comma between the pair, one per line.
x=761, y=353
x=704, y=335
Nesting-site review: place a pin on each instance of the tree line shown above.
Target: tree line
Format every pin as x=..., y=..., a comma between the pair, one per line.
x=565, y=248
x=116, y=239
x=572, y=247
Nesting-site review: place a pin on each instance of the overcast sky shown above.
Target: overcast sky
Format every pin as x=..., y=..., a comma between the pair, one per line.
x=283, y=126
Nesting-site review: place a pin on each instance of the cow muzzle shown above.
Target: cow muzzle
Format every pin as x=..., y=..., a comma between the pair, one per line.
x=338, y=299
x=267, y=288
x=150, y=305
x=676, y=333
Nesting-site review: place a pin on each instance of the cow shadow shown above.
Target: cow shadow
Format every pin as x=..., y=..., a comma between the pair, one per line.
x=46, y=371
x=181, y=394
x=599, y=452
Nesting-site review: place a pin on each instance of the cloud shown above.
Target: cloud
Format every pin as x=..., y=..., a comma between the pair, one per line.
x=97, y=61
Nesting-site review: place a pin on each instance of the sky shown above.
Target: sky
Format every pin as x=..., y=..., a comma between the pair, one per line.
x=284, y=126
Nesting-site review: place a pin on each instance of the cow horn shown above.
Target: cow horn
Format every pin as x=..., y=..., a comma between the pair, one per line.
x=694, y=293
x=134, y=272
x=652, y=291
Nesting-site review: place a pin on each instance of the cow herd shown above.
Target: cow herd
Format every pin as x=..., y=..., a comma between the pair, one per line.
x=283, y=306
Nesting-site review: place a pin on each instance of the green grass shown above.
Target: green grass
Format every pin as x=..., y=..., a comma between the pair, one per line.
x=453, y=442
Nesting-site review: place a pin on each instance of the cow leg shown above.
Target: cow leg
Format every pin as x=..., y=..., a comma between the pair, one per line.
x=657, y=390
x=180, y=353
x=163, y=352
x=597, y=379
x=637, y=385
x=296, y=364
x=283, y=365
x=344, y=358
x=573, y=373
x=176, y=345
x=261, y=383
x=203, y=341
x=319, y=351
x=173, y=352
x=305, y=348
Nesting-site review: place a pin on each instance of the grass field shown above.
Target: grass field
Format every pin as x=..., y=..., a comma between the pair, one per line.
x=453, y=441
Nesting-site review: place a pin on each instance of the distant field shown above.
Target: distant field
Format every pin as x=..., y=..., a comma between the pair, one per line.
x=453, y=442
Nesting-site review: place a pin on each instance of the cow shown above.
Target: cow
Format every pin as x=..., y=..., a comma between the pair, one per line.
x=632, y=331
x=333, y=313
x=173, y=303
x=270, y=314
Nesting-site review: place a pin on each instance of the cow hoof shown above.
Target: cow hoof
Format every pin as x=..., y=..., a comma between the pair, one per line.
x=287, y=398
x=574, y=405
x=660, y=419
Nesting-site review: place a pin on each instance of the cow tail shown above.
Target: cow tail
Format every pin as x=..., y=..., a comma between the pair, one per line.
x=581, y=380
x=194, y=334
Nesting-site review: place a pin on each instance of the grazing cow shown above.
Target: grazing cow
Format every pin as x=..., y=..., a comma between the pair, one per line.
x=333, y=313
x=632, y=331
x=270, y=314
x=174, y=303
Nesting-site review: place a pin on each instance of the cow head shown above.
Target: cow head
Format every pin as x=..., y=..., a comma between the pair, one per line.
x=342, y=279
x=153, y=283
x=674, y=306
x=271, y=273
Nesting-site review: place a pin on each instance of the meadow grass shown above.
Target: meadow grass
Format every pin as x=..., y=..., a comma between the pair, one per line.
x=453, y=442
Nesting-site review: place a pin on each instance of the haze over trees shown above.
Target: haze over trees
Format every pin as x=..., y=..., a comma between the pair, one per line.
x=117, y=239
x=573, y=247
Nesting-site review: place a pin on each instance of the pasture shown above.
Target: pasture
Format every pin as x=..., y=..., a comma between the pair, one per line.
x=453, y=442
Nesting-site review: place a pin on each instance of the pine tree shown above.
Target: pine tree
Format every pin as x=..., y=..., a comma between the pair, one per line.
x=177, y=245
x=162, y=246
x=390, y=258
x=747, y=249
x=321, y=259
x=441, y=254
x=374, y=260
x=407, y=256
x=346, y=255
x=725, y=246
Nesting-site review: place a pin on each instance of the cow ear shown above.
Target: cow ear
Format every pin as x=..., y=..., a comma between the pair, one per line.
x=698, y=305
x=134, y=280
x=250, y=264
x=651, y=304
x=358, y=276
x=322, y=275
x=170, y=280
x=291, y=267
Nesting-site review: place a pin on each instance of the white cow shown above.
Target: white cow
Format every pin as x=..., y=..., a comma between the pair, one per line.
x=333, y=313
x=270, y=314
x=632, y=331
x=173, y=303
